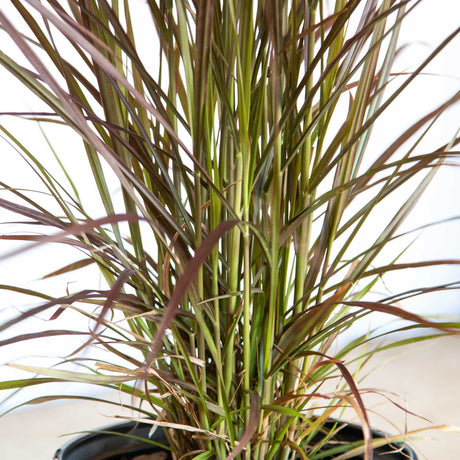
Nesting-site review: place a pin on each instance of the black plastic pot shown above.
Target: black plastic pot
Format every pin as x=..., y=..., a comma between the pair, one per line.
x=105, y=446
x=354, y=433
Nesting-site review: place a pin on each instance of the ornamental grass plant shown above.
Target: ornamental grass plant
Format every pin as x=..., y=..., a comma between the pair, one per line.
x=244, y=224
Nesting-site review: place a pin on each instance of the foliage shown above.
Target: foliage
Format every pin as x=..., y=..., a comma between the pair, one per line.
x=245, y=160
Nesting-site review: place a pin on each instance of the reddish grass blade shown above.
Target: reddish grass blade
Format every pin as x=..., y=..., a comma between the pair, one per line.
x=254, y=414
x=111, y=297
x=184, y=282
x=75, y=230
x=39, y=335
x=71, y=267
x=399, y=312
x=79, y=296
x=367, y=433
x=429, y=263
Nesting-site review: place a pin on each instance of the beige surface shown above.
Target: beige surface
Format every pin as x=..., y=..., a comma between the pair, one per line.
x=425, y=379
x=426, y=375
